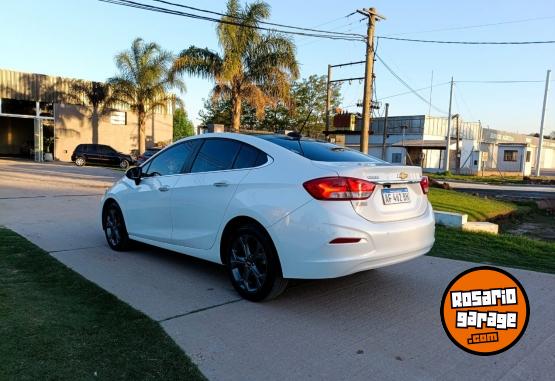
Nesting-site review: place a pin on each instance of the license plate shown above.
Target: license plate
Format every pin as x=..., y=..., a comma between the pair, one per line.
x=392, y=196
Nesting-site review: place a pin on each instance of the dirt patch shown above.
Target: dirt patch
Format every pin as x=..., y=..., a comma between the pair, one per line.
x=529, y=221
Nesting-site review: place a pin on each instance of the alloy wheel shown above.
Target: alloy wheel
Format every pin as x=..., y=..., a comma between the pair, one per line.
x=248, y=263
x=114, y=227
x=124, y=164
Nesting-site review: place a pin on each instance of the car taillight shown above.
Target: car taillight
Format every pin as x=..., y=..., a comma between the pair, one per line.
x=339, y=188
x=425, y=184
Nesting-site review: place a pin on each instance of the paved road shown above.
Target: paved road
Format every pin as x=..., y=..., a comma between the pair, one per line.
x=510, y=192
x=380, y=324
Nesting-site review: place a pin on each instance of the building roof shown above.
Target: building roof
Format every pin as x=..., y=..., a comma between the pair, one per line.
x=441, y=144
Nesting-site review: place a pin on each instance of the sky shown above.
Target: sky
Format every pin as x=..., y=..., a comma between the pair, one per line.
x=79, y=39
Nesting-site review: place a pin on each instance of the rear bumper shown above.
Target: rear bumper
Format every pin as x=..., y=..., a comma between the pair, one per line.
x=302, y=240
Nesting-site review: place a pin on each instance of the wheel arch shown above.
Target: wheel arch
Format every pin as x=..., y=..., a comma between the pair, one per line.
x=233, y=224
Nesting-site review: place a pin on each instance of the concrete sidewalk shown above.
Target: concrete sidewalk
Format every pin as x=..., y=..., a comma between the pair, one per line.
x=380, y=324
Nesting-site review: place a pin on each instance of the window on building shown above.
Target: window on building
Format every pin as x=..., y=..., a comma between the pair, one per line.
x=396, y=157
x=528, y=154
x=118, y=118
x=510, y=155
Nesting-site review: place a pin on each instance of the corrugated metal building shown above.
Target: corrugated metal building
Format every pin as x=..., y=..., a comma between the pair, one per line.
x=422, y=140
x=40, y=113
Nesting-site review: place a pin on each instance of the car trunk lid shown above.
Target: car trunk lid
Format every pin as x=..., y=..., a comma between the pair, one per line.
x=397, y=195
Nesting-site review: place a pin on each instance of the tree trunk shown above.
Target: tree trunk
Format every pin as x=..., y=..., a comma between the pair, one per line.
x=141, y=133
x=236, y=113
x=95, y=121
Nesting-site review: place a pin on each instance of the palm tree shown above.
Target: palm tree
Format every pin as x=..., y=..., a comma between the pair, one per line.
x=254, y=67
x=143, y=82
x=94, y=94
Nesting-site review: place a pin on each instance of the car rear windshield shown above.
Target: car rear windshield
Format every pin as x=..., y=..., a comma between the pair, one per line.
x=318, y=150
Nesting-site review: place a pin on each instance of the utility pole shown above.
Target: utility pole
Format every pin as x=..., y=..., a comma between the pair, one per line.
x=373, y=16
x=328, y=100
x=385, y=131
x=458, y=153
x=539, y=153
x=448, y=128
x=329, y=88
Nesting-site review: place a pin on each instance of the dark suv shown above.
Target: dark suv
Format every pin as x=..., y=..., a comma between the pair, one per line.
x=100, y=154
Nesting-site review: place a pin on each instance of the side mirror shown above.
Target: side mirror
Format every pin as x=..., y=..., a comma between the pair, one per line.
x=135, y=173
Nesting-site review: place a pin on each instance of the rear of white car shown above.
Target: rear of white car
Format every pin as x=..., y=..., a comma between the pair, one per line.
x=367, y=215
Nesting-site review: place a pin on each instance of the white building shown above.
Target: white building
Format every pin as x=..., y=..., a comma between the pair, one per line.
x=421, y=140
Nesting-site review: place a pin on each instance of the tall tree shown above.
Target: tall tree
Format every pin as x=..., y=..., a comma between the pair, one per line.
x=305, y=112
x=182, y=126
x=253, y=67
x=94, y=94
x=309, y=103
x=143, y=82
x=218, y=111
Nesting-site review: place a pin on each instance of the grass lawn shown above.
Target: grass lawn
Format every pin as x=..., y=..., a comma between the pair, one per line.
x=478, y=179
x=497, y=179
x=54, y=324
x=477, y=208
x=500, y=250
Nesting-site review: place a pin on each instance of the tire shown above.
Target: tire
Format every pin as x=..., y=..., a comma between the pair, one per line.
x=253, y=264
x=114, y=227
x=124, y=164
x=80, y=161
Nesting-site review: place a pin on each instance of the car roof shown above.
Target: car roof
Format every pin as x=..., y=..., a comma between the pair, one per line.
x=265, y=145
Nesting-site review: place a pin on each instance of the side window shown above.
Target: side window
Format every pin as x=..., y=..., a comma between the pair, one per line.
x=172, y=161
x=104, y=150
x=249, y=157
x=216, y=155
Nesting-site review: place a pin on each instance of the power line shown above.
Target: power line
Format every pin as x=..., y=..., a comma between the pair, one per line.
x=305, y=41
x=138, y=5
x=408, y=86
x=420, y=89
x=459, y=92
x=242, y=19
x=468, y=42
x=503, y=81
x=476, y=26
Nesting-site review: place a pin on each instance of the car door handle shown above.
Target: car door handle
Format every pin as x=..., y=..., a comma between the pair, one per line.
x=221, y=184
x=164, y=188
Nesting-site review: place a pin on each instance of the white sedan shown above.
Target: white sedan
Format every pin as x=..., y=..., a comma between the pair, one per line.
x=271, y=208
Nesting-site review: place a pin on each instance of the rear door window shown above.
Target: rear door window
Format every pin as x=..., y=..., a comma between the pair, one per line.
x=249, y=157
x=216, y=155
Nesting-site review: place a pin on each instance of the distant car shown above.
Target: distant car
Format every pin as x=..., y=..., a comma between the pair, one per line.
x=147, y=155
x=271, y=208
x=100, y=154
